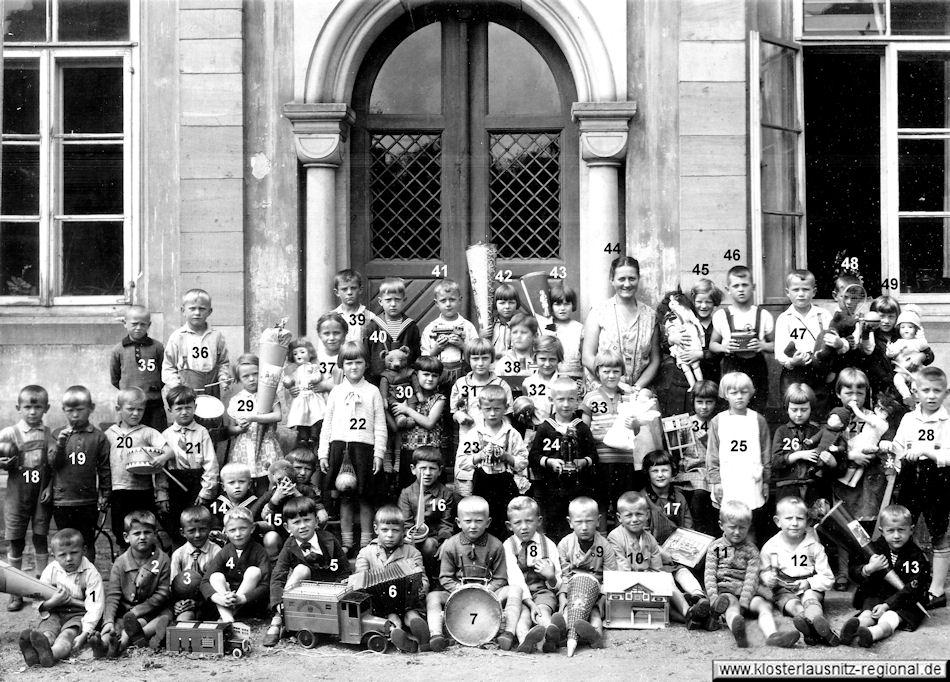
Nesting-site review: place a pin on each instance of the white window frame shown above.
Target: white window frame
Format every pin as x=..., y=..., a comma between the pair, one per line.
x=50, y=55
x=798, y=27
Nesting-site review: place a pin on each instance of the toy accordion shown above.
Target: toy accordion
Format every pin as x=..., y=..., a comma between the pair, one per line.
x=394, y=588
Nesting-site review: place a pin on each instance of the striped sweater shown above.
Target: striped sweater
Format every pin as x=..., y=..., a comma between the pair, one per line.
x=732, y=569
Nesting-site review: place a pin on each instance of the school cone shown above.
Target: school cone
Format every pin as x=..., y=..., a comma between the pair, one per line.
x=583, y=591
x=15, y=581
x=481, y=259
x=272, y=353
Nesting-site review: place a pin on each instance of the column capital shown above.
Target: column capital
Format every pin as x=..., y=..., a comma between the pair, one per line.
x=320, y=129
x=603, y=130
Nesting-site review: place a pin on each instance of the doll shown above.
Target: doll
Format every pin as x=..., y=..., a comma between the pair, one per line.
x=685, y=333
x=868, y=439
x=907, y=352
x=829, y=439
x=643, y=407
x=306, y=410
x=396, y=384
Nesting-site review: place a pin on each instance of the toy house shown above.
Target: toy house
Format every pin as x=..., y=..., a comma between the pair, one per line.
x=637, y=600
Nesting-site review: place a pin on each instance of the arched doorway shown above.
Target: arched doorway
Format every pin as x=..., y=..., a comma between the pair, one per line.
x=463, y=133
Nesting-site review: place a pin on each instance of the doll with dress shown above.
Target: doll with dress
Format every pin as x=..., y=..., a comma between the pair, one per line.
x=307, y=407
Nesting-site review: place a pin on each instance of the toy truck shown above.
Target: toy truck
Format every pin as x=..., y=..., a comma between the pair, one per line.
x=315, y=608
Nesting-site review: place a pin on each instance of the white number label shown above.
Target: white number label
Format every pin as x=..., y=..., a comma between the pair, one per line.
x=77, y=458
x=31, y=476
x=146, y=364
x=229, y=563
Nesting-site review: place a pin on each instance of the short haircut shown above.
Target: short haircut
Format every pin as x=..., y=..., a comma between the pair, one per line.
x=631, y=498
x=138, y=309
x=77, y=393
x=656, y=458
x=392, y=285
x=301, y=342
x=735, y=511
x=479, y=346
x=245, y=360
x=529, y=322
x=280, y=468
x=235, y=469
x=239, y=514
x=141, y=517
x=564, y=383
x=493, y=392
x=130, y=394
x=850, y=377
x=805, y=275
x=32, y=392
x=473, y=504
x=67, y=537
x=895, y=513
x=447, y=286
x=389, y=514
x=332, y=317
x=931, y=373
x=560, y=292
x=302, y=456
x=427, y=453
x=523, y=503
x=196, y=514
x=739, y=272
x=791, y=501
x=708, y=287
x=844, y=280
x=351, y=350
x=347, y=276
x=797, y=394
x=180, y=395
x=194, y=295
x=706, y=389
x=549, y=344
x=735, y=381
x=427, y=363
x=608, y=358
x=886, y=305
x=297, y=507
x=624, y=262
x=582, y=504
x=507, y=292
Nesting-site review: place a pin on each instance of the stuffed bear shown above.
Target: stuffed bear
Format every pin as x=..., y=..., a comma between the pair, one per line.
x=397, y=383
x=831, y=439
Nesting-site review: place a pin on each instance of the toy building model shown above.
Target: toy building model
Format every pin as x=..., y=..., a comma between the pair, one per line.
x=209, y=638
x=637, y=600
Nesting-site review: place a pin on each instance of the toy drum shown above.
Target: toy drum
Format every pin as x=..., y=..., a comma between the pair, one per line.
x=472, y=615
x=140, y=461
x=209, y=412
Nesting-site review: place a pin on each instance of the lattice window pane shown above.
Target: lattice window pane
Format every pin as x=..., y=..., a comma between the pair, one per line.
x=405, y=190
x=525, y=194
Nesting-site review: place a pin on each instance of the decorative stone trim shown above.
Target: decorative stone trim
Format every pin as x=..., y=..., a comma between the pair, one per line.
x=603, y=129
x=320, y=131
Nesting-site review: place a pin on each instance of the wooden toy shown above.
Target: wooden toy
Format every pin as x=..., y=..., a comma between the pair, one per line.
x=313, y=608
x=209, y=638
x=637, y=600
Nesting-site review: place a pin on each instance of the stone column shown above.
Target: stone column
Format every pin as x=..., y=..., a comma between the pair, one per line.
x=603, y=129
x=320, y=132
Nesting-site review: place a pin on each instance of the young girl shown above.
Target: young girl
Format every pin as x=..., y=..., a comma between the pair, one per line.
x=706, y=297
x=306, y=407
x=463, y=401
x=355, y=433
x=255, y=434
x=691, y=478
x=519, y=360
x=419, y=418
x=569, y=332
x=547, y=354
x=738, y=459
x=507, y=303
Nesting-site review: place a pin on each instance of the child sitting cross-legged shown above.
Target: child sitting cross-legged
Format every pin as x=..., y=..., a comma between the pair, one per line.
x=190, y=563
x=387, y=548
x=795, y=567
x=238, y=577
x=534, y=566
x=732, y=569
x=308, y=554
x=65, y=626
x=136, y=612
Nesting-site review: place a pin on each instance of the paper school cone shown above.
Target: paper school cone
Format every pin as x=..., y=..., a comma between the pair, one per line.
x=481, y=259
x=583, y=591
x=15, y=581
x=272, y=353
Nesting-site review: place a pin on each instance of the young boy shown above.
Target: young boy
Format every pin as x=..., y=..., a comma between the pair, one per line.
x=308, y=554
x=492, y=461
x=883, y=607
x=547, y=354
x=838, y=349
x=131, y=492
x=189, y=563
x=439, y=505
x=473, y=552
x=519, y=360
x=387, y=548
x=922, y=442
x=584, y=551
x=391, y=330
x=139, y=589
x=743, y=332
x=691, y=477
x=235, y=492
x=80, y=465
x=194, y=463
x=732, y=570
x=24, y=453
x=564, y=452
x=348, y=287
x=797, y=329
x=633, y=543
x=795, y=567
x=534, y=567
x=445, y=337
x=65, y=626
x=238, y=577
x=196, y=354
x=137, y=361
x=463, y=402
x=283, y=488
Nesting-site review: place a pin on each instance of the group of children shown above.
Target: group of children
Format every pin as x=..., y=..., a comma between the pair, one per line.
x=386, y=412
